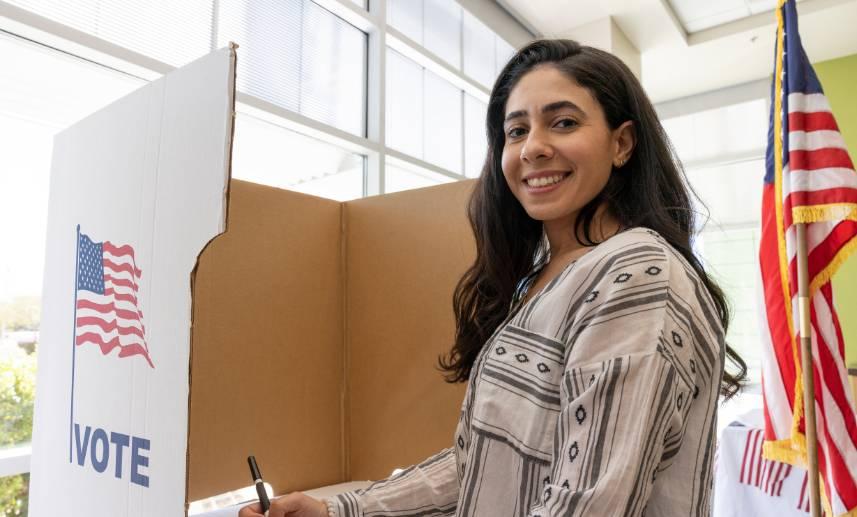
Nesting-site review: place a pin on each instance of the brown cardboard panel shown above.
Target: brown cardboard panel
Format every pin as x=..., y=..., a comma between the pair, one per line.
x=266, y=359
x=405, y=253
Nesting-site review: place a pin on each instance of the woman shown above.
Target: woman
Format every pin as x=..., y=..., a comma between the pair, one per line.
x=591, y=338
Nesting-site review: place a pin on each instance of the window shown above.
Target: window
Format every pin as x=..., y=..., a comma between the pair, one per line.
x=423, y=114
x=304, y=85
x=401, y=176
x=41, y=92
x=475, y=138
x=722, y=148
x=272, y=155
x=447, y=31
x=299, y=56
x=172, y=32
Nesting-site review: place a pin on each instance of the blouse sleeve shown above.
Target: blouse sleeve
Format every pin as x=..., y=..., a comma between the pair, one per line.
x=626, y=392
x=427, y=489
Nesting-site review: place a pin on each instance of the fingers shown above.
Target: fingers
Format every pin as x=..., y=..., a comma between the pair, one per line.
x=297, y=504
x=252, y=510
x=285, y=505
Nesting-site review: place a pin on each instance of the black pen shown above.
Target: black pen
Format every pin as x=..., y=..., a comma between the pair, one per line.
x=260, y=486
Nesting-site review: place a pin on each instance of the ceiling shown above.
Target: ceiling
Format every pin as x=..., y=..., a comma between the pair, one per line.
x=693, y=46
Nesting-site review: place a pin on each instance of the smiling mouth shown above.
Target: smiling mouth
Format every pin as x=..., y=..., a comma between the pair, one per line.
x=546, y=181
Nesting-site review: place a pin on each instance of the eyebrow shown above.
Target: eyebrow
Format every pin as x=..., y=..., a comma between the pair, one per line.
x=554, y=106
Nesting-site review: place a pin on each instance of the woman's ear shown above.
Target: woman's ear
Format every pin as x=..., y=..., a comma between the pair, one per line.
x=625, y=137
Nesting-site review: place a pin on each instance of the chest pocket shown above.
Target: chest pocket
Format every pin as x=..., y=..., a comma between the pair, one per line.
x=517, y=395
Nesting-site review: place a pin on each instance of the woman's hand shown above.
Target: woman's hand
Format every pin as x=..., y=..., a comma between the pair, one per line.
x=295, y=504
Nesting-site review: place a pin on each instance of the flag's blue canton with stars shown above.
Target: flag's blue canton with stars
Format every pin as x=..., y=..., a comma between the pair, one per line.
x=90, y=265
x=798, y=76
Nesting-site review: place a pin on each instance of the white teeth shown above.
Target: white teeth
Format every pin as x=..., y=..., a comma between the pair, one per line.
x=545, y=181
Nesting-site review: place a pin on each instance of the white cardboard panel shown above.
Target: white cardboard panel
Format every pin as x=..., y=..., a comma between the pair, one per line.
x=150, y=171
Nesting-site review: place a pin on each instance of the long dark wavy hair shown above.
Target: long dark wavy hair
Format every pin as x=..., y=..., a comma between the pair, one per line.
x=650, y=191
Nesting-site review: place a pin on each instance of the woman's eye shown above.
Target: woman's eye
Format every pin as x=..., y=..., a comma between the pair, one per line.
x=516, y=132
x=566, y=123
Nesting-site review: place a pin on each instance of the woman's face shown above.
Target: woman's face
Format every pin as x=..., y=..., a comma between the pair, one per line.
x=559, y=151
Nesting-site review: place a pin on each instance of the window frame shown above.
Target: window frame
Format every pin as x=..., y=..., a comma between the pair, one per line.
x=37, y=29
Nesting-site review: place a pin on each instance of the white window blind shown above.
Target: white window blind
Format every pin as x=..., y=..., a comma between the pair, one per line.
x=298, y=55
x=424, y=113
x=443, y=27
x=293, y=53
x=169, y=31
x=475, y=139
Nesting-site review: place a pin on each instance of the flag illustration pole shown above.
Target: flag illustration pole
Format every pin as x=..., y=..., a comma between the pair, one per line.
x=73, y=344
x=808, y=377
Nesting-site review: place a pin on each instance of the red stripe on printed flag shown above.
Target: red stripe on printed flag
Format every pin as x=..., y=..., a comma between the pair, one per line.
x=803, y=500
x=783, y=480
x=109, y=326
x=108, y=308
x=108, y=346
x=746, y=458
x=120, y=282
x=121, y=268
x=813, y=121
x=122, y=297
x=116, y=251
x=760, y=466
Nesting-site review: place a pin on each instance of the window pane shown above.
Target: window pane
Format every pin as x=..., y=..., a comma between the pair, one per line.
x=14, y=491
x=736, y=128
x=269, y=57
x=398, y=178
x=731, y=256
x=475, y=141
x=173, y=32
x=272, y=155
x=41, y=92
x=680, y=132
x=479, y=59
x=504, y=53
x=443, y=30
x=404, y=115
x=732, y=193
x=333, y=70
x=729, y=130
x=299, y=56
x=407, y=17
x=442, y=123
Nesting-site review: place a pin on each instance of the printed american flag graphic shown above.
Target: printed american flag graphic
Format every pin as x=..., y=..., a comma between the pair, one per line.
x=107, y=311
x=766, y=475
x=809, y=179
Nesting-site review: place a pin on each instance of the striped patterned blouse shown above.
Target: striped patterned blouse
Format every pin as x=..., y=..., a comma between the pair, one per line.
x=597, y=397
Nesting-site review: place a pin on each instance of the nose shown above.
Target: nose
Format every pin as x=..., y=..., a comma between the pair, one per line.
x=537, y=147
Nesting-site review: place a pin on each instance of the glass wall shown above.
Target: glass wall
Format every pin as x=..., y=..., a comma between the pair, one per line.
x=304, y=81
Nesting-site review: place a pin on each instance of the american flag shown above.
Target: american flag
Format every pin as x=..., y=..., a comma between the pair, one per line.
x=809, y=179
x=107, y=311
x=766, y=475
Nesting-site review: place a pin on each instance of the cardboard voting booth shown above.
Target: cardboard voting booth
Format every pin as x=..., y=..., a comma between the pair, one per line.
x=190, y=320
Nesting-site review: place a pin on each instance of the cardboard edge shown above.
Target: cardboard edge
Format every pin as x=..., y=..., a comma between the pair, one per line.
x=345, y=384
x=233, y=58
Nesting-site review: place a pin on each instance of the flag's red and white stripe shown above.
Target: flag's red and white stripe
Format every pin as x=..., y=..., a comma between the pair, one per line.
x=766, y=475
x=818, y=173
x=113, y=320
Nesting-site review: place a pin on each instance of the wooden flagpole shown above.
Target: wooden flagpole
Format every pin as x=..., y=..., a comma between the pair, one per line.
x=807, y=368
